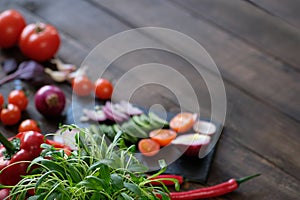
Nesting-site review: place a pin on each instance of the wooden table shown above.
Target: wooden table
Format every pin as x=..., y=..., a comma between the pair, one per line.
x=255, y=45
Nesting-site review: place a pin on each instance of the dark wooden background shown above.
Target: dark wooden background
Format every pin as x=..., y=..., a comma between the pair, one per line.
x=256, y=45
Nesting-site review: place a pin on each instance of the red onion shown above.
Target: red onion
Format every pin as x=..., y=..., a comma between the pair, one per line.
x=191, y=144
x=50, y=101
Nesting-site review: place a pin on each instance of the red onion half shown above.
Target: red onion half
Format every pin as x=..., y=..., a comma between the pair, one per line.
x=50, y=101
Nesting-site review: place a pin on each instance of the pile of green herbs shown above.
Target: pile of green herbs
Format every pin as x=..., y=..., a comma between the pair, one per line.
x=95, y=170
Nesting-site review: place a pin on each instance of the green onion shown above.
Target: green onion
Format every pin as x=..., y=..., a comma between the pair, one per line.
x=97, y=169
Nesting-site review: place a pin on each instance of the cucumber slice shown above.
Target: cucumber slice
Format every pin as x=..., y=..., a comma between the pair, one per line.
x=144, y=118
x=143, y=125
x=154, y=119
x=129, y=138
x=116, y=128
x=134, y=130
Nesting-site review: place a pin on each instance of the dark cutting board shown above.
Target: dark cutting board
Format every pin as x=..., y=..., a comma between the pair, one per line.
x=191, y=168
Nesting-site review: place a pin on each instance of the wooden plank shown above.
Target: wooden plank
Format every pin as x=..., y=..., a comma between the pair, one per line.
x=239, y=63
x=288, y=10
x=74, y=19
x=235, y=161
x=260, y=29
x=242, y=119
x=251, y=131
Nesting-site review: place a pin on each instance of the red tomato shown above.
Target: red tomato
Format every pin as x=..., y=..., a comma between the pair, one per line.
x=10, y=115
x=148, y=147
x=163, y=136
x=82, y=86
x=1, y=101
x=11, y=25
x=183, y=122
x=39, y=41
x=29, y=125
x=103, y=89
x=18, y=98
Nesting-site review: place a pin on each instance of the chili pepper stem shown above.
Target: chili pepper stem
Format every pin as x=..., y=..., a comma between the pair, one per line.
x=7, y=144
x=247, y=178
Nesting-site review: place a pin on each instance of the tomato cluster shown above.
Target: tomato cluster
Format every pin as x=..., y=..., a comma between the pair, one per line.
x=83, y=86
x=37, y=41
x=11, y=113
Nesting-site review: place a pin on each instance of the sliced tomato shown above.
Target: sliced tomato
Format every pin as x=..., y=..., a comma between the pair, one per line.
x=163, y=136
x=148, y=147
x=183, y=122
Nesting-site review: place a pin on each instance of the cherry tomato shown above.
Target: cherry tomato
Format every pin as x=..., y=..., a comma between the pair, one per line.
x=148, y=147
x=39, y=41
x=29, y=125
x=163, y=136
x=1, y=101
x=103, y=89
x=82, y=86
x=11, y=25
x=183, y=122
x=18, y=98
x=10, y=115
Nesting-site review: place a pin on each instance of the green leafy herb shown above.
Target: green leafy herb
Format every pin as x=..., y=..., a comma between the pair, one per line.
x=96, y=170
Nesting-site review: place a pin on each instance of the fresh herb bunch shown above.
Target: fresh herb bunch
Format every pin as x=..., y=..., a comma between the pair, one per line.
x=96, y=170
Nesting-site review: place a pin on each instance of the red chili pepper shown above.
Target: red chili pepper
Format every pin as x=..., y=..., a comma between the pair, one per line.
x=158, y=180
x=58, y=145
x=25, y=146
x=212, y=191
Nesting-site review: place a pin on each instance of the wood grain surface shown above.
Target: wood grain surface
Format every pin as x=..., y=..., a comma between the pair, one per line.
x=255, y=45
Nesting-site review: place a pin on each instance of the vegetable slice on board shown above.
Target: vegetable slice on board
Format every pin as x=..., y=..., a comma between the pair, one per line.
x=148, y=147
x=163, y=136
x=183, y=122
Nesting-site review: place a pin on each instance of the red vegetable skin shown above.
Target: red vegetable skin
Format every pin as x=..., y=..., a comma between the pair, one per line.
x=212, y=191
x=157, y=182
x=10, y=115
x=4, y=193
x=103, y=89
x=58, y=145
x=82, y=86
x=28, y=150
x=2, y=101
x=39, y=41
x=18, y=98
x=11, y=26
x=29, y=125
x=50, y=101
x=191, y=144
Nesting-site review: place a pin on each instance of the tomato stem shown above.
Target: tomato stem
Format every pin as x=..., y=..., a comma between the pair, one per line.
x=7, y=144
x=39, y=28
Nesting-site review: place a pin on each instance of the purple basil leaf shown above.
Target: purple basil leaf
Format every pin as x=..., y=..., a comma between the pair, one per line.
x=40, y=80
x=9, y=66
x=31, y=69
x=28, y=70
